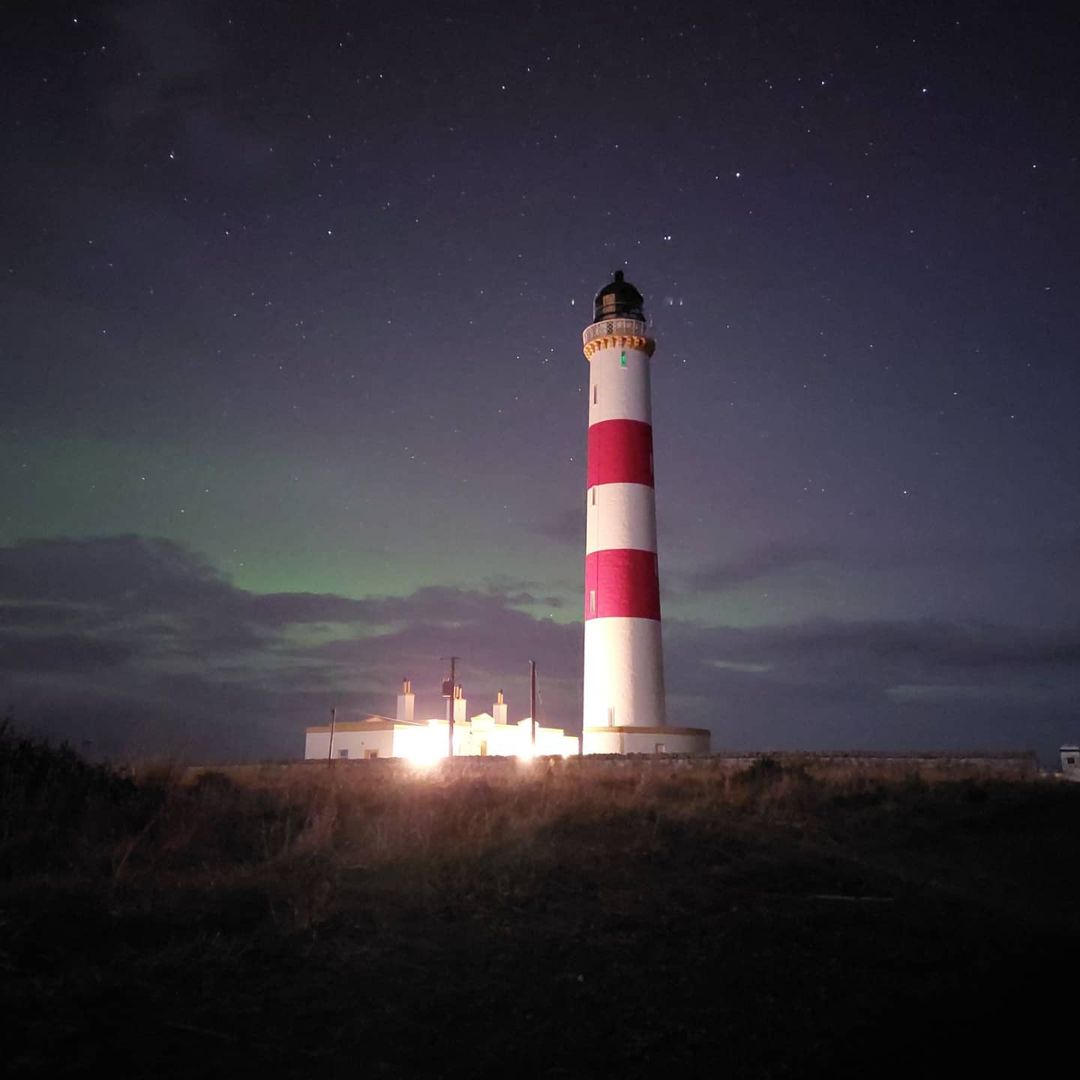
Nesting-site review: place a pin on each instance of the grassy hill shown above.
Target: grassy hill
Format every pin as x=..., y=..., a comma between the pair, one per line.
x=571, y=919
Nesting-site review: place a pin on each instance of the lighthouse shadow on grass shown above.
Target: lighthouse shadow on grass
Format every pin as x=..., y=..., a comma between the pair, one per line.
x=563, y=919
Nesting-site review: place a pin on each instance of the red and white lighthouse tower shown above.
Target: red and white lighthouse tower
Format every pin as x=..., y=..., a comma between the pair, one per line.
x=624, y=702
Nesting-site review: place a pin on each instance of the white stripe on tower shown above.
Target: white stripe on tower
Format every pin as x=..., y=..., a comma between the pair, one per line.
x=624, y=669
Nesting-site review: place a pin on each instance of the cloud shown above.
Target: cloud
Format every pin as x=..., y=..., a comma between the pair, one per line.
x=150, y=628
x=889, y=684
x=740, y=665
x=119, y=570
x=288, y=609
x=939, y=555
x=61, y=652
x=938, y=693
x=756, y=563
x=874, y=650
x=567, y=526
x=140, y=646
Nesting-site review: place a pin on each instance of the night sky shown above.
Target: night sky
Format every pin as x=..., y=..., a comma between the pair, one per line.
x=292, y=399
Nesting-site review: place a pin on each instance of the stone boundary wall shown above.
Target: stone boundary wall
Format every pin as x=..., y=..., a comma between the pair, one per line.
x=1006, y=764
x=1021, y=763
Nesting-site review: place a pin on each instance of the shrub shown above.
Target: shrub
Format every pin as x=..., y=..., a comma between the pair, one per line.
x=55, y=807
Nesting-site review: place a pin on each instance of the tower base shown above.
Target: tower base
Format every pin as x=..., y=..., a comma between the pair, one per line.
x=646, y=740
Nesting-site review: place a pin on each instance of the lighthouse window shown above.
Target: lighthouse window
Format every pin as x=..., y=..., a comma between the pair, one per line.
x=622, y=358
x=594, y=496
x=594, y=395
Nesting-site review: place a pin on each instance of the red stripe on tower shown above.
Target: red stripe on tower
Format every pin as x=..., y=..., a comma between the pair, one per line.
x=621, y=583
x=620, y=452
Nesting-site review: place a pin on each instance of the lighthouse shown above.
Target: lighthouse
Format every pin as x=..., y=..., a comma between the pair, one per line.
x=624, y=707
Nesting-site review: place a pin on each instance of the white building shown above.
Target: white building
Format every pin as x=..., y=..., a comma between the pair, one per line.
x=424, y=741
x=1070, y=762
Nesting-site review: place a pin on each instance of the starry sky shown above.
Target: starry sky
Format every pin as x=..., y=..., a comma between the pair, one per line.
x=292, y=399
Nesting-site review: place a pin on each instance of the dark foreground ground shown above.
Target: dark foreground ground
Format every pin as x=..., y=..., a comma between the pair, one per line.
x=576, y=921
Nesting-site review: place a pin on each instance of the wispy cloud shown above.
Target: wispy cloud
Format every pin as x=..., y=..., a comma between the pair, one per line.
x=757, y=563
x=139, y=641
x=137, y=620
x=943, y=554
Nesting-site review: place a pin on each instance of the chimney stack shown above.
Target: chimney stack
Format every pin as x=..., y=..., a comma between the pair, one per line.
x=406, y=703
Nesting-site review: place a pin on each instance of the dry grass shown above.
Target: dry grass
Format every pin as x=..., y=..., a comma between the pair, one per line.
x=492, y=881
x=298, y=834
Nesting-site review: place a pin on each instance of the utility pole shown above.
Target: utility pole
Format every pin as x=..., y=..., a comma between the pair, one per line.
x=330, y=748
x=451, y=696
x=532, y=702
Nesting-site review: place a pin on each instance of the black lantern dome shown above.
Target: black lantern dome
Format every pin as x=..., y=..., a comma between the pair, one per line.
x=619, y=300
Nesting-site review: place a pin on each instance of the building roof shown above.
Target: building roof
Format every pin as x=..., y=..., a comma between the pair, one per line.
x=373, y=722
